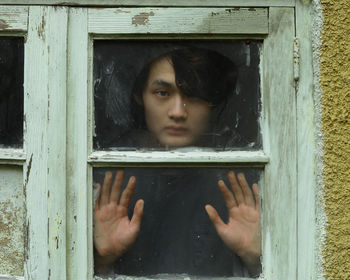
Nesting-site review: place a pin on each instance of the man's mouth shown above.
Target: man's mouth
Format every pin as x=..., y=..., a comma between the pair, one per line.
x=176, y=130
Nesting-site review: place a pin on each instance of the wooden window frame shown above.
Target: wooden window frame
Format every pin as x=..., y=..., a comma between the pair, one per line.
x=119, y=23
x=57, y=166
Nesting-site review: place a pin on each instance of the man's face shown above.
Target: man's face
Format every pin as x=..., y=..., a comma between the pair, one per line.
x=175, y=119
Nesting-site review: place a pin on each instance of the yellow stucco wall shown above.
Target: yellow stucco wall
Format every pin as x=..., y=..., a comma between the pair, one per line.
x=335, y=83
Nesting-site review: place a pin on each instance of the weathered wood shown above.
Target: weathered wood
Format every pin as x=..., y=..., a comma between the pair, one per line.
x=12, y=213
x=171, y=277
x=280, y=188
x=79, y=213
x=12, y=156
x=155, y=3
x=178, y=21
x=8, y=277
x=45, y=143
x=13, y=18
x=190, y=156
x=306, y=147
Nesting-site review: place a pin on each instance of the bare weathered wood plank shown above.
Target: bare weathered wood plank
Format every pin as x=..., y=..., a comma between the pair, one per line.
x=13, y=18
x=178, y=20
x=45, y=143
x=280, y=189
x=79, y=216
x=155, y=3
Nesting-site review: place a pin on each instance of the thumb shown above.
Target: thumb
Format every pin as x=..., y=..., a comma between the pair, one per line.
x=214, y=217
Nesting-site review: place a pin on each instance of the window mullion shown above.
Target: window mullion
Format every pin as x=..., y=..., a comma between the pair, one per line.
x=195, y=156
x=79, y=192
x=45, y=143
x=279, y=195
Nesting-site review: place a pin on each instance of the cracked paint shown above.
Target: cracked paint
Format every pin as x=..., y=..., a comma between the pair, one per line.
x=11, y=221
x=141, y=18
x=41, y=29
x=3, y=24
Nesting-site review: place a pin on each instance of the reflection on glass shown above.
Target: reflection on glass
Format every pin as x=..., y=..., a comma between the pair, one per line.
x=193, y=221
x=163, y=95
x=11, y=92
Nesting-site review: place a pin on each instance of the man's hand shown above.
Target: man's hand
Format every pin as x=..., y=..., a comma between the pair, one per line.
x=242, y=232
x=114, y=232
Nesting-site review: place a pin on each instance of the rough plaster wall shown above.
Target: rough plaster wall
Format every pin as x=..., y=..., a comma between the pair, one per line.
x=335, y=101
x=11, y=221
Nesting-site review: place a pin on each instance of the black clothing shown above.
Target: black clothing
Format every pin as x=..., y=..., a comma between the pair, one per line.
x=176, y=234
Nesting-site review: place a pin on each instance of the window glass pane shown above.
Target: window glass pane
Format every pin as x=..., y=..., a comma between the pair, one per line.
x=176, y=234
x=170, y=94
x=11, y=221
x=11, y=91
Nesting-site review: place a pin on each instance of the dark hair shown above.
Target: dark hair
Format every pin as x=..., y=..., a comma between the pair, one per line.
x=199, y=73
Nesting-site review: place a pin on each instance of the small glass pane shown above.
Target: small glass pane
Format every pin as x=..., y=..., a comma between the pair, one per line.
x=175, y=234
x=11, y=91
x=172, y=94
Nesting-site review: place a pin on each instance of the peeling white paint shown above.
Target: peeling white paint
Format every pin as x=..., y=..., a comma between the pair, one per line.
x=321, y=219
x=11, y=221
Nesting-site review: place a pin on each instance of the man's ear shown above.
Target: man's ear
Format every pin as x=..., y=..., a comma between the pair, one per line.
x=138, y=100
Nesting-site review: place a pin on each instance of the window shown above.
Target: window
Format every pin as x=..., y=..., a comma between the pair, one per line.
x=11, y=127
x=11, y=141
x=176, y=96
x=274, y=96
x=230, y=74
x=65, y=150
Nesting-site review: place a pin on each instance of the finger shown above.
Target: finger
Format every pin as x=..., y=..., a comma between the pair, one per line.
x=98, y=194
x=106, y=189
x=256, y=196
x=247, y=193
x=227, y=194
x=117, y=185
x=215, y=218
x=127, y=193
x=237, y=190
x=137, y=215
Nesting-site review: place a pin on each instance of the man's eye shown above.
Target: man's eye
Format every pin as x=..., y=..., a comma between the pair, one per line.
x=162, y=93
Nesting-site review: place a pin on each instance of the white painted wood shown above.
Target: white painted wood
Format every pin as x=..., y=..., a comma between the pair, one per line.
x=279, y=194
x=178, y=20
x=306, y=147
x=155, y=3
x=198, y=156
x=79, y=213
x=13, y=18
x=12, y=156
x=171, y=277
x=9, y=277
x=45, y=143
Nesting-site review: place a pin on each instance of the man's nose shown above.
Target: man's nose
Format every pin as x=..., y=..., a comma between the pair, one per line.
x=178, y=108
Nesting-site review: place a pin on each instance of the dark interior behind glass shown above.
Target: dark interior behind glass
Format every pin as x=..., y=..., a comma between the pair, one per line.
x=11, y=91
x=177, y=236
x=117, y=63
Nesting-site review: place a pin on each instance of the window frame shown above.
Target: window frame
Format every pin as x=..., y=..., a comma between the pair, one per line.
x=60, y=186
x=13, y=24
x=272, y=237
